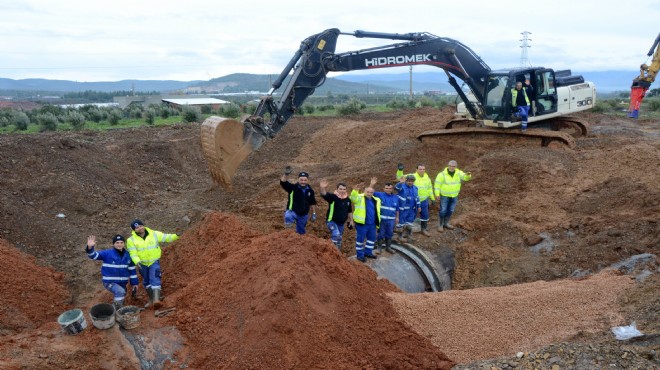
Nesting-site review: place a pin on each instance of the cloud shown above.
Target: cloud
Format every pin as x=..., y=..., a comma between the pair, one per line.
x=88, y=41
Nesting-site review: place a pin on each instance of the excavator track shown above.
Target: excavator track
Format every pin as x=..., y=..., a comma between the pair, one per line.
x=545, y=137
x=576, y=127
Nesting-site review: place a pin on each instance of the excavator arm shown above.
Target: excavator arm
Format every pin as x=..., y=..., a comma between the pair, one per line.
x=642, y=83
x=227, y=143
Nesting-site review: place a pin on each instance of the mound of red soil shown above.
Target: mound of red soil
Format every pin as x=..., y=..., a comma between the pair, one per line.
x=30, y=295
x=282, y=300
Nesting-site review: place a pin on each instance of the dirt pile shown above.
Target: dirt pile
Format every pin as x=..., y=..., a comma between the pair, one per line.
x=30, y=294
x=31, y=299
x=482, y=323
x=283, y=300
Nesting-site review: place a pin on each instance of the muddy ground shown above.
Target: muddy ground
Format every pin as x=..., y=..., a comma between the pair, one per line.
x=531, y=213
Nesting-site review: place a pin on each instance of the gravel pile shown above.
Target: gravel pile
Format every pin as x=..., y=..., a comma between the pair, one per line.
x=486, y=323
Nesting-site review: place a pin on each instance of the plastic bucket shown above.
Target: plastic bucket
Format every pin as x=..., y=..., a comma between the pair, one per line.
x=72, y=321
x=103, y=315
x=128, y=317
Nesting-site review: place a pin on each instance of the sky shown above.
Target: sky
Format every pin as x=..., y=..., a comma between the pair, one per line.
x=200, y=40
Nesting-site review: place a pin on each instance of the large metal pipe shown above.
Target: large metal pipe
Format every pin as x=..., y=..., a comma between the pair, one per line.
x=414, y=270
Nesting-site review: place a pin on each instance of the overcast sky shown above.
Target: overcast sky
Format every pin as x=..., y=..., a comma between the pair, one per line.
x=199, y=40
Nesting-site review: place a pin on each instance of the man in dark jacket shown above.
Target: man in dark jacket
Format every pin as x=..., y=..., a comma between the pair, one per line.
x=520, y=103
x=299, y=201
x=339, y=211
x=117, y=269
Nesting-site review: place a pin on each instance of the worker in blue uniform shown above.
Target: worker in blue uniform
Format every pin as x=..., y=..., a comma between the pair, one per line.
x=117, y=269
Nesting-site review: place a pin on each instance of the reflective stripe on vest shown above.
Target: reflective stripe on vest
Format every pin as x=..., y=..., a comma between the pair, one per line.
x=332, y=211
x=514, y=96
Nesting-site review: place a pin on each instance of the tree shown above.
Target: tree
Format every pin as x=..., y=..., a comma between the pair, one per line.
x=165, y=112
x=353, y=106
x=114, y=117
x=191, y=115
x=76, y=119
x=95, y=115
x=206, y=109
x=149, y=116
x=309, y=108
x=231, y=110
x=20, y=120
x=47, y=122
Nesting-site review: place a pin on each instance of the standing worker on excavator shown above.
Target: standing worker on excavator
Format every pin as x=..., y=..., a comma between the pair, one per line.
x=447, y=186
x=144, y=248
x=520, y=102
x=425, y=192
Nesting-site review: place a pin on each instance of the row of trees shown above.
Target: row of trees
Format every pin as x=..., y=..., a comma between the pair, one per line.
x=50, y=117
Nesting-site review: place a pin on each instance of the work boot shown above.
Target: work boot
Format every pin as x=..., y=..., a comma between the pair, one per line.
x=379, y=246
x=156, y=297
x=151, y=298
x=408, y=233
x=118, y=304
x=447, y=224
x=425, y=225
x=388, y=246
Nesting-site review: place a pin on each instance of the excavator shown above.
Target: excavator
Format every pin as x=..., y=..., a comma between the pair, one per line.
x=642, y=83
x=485, y=94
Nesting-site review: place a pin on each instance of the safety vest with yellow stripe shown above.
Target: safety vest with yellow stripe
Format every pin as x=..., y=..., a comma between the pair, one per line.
x=449, y=186
x=514, y=96
x=360, y=208
x=423, y=183
x=147, y=251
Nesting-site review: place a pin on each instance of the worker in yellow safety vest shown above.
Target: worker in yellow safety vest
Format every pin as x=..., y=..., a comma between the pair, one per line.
x=144, y=248
x=425, y=193
x=446, y=188
x=366, y=216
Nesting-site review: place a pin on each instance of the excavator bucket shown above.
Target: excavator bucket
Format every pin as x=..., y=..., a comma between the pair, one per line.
x=226, y=143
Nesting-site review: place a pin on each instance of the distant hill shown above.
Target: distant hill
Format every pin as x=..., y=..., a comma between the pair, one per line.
x=242, y=82
x=380, y=83
x=40, y=84
x=607, y=81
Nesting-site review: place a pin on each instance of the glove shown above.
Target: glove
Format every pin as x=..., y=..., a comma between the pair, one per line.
x=350, y=226
x=134, y=292
x=313, y=216
x=399, y=166
x=287, y=170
